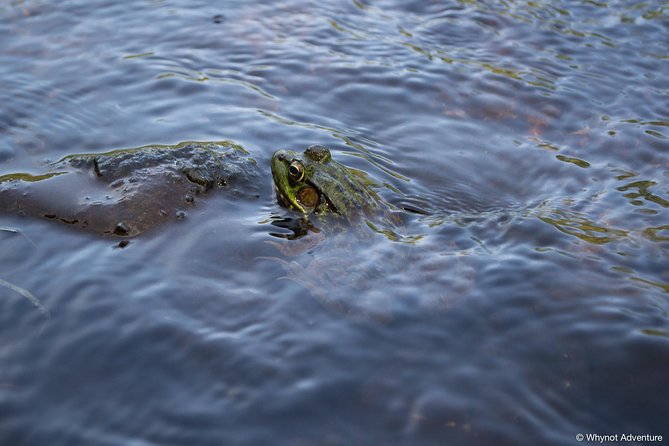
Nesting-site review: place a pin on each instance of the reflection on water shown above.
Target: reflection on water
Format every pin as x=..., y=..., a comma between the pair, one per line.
x=642, y=188
x=581, y=227
x=516, y=287
x=657, y=234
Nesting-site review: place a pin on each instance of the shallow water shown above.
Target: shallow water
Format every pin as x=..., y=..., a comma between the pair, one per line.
x=527, y=301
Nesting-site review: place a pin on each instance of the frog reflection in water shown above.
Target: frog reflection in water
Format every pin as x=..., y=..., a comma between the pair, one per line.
x=312, y=183
x=346, y=270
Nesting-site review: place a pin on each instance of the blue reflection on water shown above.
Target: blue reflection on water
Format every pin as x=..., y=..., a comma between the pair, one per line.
x=530, y=303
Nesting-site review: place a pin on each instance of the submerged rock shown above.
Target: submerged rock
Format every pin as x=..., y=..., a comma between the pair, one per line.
x=127, y=192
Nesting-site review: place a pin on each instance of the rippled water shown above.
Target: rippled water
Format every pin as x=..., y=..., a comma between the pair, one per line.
x=526, y=303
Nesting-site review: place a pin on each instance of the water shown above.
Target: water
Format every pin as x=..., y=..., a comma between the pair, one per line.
x=529, y=304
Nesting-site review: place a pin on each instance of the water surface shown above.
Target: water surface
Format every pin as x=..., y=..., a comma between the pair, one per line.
x=527, y=301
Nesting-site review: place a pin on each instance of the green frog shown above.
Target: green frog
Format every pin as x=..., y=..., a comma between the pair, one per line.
x=341, y=215
x=312, y=182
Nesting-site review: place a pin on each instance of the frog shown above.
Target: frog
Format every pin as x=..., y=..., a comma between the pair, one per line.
x=313, y=183
x=127, y=192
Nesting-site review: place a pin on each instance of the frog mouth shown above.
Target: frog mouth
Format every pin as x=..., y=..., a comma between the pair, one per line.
x=283, y=200
x=296, y=204
x=323, y=200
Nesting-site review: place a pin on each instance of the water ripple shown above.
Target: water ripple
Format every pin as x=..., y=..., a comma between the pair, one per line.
x=516, y=288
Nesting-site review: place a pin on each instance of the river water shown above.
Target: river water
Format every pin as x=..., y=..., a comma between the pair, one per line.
x=527, y=300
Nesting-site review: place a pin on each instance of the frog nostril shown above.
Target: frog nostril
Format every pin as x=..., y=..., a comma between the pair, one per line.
x=280, y=157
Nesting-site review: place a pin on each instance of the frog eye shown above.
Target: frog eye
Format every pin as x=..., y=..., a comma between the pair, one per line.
x=296, y=170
